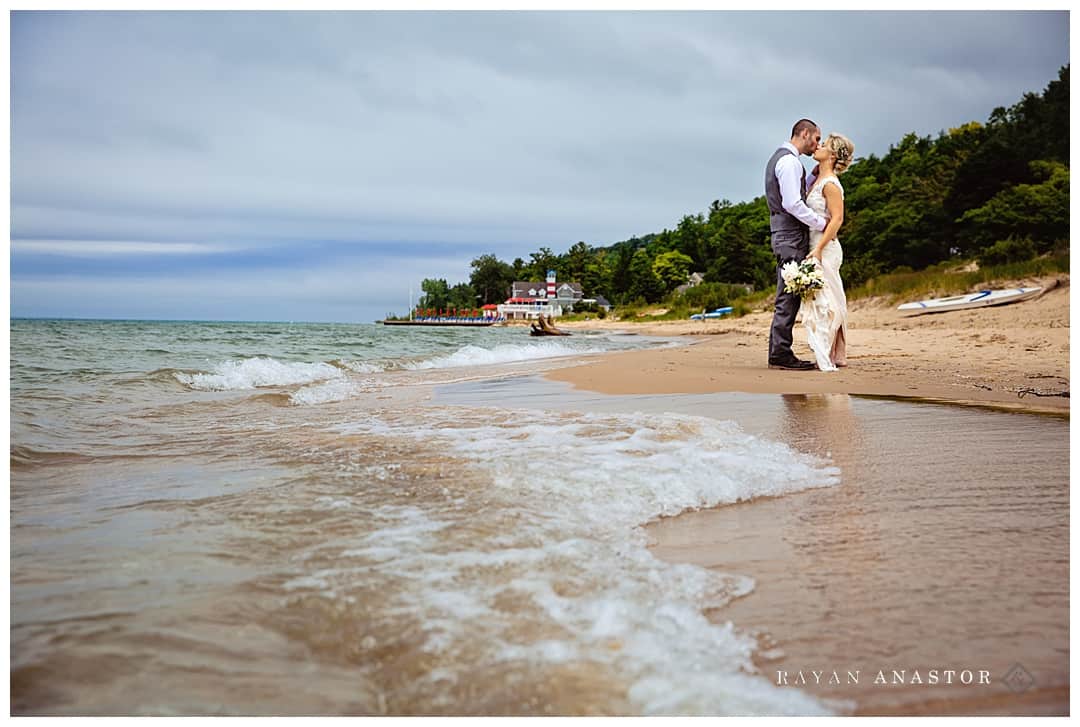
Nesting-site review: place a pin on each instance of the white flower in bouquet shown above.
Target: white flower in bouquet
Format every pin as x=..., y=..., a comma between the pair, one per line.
x=802, y=279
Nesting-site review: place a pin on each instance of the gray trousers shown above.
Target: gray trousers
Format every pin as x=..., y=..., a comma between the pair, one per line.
x=787, y=245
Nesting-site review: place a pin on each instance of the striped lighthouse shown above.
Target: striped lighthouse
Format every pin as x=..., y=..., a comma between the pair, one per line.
x=551, y=284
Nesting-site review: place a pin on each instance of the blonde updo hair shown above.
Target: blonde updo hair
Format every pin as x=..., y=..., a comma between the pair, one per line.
x=842, y=148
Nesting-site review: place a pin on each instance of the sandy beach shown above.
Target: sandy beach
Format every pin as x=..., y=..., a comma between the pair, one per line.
x=993, y=356
x=430, y=526
x=853, y=576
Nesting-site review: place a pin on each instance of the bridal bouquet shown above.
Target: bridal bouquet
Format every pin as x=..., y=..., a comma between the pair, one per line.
x=802, y=279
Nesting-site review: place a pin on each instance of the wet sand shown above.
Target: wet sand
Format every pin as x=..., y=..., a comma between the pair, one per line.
x=953, y=556
x=923, y=558
x=925, y=568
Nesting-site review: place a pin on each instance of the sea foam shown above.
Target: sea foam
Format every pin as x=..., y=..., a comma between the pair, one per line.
x=325, y=392
x=577, y=488
x=504, y=353
x=251, y=373
x=623, y=470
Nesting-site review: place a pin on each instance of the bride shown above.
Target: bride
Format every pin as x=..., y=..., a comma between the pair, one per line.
x=825, y=315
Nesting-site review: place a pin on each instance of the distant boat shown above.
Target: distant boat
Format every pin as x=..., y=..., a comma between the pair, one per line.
x=981, y=299
x=712, y=314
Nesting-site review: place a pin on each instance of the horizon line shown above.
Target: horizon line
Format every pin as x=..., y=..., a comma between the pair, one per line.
x=175, y=320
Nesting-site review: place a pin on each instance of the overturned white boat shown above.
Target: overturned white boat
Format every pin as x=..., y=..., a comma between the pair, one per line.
x=981, y=299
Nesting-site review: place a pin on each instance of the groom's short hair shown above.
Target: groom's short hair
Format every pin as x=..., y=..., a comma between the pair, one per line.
x=802, y=125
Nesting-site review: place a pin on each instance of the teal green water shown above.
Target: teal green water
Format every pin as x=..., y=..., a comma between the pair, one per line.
x=89, y=348
x=68, y=377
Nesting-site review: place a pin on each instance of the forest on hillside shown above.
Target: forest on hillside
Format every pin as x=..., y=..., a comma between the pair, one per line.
x=995, y=192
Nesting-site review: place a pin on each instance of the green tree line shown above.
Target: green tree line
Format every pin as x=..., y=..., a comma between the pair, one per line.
x=995, y=191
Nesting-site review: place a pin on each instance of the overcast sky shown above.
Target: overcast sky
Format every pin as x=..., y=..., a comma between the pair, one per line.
x=314, y=166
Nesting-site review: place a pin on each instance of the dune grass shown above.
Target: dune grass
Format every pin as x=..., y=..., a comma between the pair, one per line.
x=680, y=311
x=938, y=281
x=953, y=279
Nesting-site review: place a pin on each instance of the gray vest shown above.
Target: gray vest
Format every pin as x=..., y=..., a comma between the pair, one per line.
x=779, y=218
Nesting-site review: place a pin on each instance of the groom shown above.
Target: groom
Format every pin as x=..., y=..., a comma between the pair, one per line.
x=790, y=221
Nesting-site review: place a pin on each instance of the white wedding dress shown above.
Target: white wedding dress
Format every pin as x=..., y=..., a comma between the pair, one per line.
x=825, y=315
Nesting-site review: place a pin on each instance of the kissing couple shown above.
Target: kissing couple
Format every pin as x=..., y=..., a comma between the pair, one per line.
x=805, y=214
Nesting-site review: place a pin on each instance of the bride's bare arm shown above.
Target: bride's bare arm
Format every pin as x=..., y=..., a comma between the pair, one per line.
x=834, y=202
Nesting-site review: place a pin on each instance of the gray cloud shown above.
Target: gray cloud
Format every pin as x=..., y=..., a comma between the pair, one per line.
x=507, y=130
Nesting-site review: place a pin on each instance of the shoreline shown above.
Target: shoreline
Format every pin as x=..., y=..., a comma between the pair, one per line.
x=999, y=357
x=975, y=359
x=849, y=576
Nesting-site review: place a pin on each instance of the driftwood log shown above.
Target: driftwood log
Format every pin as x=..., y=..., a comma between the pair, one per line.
x=546, y=328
